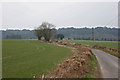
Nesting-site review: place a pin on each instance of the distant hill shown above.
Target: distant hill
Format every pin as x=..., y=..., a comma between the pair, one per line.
x=101, y=33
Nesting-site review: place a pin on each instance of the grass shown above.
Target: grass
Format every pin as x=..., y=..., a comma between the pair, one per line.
x=25, y=58
x=93, y=68
x=110, y=44
x=93, y=64
x=112, y=53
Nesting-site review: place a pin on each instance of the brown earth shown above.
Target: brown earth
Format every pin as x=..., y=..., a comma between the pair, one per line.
x=109, y=49
x=75, y=66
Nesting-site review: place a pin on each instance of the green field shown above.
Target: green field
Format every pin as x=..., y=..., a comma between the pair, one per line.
x=111, y=44
x=25, y=58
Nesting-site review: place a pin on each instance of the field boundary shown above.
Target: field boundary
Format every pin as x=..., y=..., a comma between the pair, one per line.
x=112, y=51
x=75, y=49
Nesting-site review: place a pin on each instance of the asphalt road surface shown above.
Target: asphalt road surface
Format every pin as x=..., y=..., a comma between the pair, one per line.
x=108, y=64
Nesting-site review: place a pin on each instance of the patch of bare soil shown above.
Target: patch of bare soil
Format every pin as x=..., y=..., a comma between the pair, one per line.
x=75, y=66
x=109, y=49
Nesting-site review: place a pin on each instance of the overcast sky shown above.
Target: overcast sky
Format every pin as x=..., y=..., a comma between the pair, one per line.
x=62, y=14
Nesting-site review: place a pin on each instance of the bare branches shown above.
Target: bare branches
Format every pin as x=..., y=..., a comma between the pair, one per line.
x=45, y=30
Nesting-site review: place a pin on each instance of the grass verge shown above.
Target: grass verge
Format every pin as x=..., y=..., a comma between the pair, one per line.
x=112, y=53
x=93, y=68
x=109, y=44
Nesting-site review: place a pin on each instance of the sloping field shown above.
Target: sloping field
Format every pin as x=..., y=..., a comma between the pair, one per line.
x=25, y=58
x=111, y=44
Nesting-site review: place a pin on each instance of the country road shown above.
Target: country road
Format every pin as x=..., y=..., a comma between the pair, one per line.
x=108, y=64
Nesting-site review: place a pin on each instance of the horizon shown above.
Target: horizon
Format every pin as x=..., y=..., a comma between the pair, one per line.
x=60, y=28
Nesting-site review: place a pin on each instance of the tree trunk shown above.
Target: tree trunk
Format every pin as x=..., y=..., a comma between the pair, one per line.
x=47, y=39
x=39, y=38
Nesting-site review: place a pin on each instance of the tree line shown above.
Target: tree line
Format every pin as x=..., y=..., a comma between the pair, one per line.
x=13, y=36
x=49, y=31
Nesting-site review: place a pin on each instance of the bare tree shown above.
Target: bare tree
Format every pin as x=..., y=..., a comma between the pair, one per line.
x=45, y=30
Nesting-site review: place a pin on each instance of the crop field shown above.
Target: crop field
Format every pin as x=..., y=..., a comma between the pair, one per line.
x=25, y=58
x=111, y=44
